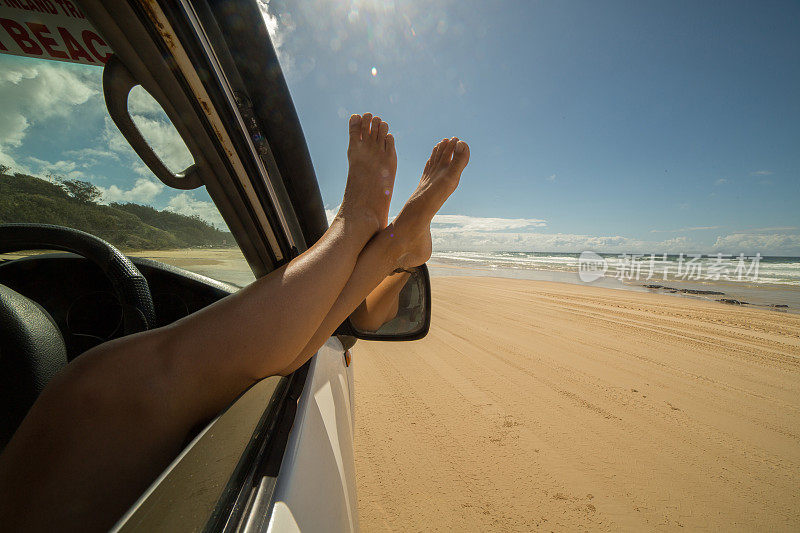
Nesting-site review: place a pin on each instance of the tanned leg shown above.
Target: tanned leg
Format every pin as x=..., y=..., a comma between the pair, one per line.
x=404, y=243
x=114, y=418
x=382, y=304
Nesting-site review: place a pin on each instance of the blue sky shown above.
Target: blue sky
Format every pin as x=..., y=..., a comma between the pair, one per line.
x=611, y=124
x=606, y=126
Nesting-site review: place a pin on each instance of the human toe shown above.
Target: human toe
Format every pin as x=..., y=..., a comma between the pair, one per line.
x=375, y=127
x=354, y=126
x=461, y=155
x=440, y=150
x=366, y=120
x=446, y=153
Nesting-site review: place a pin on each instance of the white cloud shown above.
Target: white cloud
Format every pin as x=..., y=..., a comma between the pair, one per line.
x=331, y=213
x=278, y=27
x=34, y=92
x=550, y=242
x=165, y=141
x=185, y=204
x=761, y=173
x=142, y=192
x=140, y=168
x=463, y=232
x=115, y=141
x=551, y=177
x=161, y=135
x=271, y=22
x=765, y=244
x=89, y=156
x=7, y=160
x=12, y=127
x=140, y=102
x=461, y=223
x=694, y=228
x=721, y=181
x=474, y=236
x=61, y=169
x=773, y=228
x=558, y=242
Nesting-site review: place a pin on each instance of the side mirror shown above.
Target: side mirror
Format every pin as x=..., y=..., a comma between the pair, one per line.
x=399, y=309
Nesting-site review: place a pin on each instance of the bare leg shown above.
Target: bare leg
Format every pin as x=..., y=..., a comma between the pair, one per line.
x=114, y=418
x=382, y=304
x=405, y=242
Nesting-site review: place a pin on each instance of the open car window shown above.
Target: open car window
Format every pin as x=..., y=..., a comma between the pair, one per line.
x=63, y=161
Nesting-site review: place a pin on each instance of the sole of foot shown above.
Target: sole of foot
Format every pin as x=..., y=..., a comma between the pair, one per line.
x=439, y=180
x=372, y=167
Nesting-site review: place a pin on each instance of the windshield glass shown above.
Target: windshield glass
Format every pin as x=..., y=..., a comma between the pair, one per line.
x=64, y=162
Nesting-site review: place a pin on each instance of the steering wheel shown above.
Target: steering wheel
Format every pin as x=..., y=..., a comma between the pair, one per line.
x=32, y=349
x=127, y=282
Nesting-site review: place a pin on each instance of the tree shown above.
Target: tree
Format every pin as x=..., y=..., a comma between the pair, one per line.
x=83, y=191
x=4, y=169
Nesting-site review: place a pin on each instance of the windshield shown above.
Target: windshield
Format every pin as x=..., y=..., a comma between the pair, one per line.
x=64, y=162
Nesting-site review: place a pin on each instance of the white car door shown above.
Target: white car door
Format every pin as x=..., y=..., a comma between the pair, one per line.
x=316, y=489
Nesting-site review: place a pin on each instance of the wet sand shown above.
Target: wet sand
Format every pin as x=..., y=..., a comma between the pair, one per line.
x=534, y=404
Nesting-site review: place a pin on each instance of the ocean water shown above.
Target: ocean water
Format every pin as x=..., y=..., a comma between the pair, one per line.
x=758, y=280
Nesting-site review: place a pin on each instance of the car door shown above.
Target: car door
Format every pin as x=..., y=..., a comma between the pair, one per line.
x=316, y=488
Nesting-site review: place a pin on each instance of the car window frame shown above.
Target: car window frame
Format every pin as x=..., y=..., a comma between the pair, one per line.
x=147, y=19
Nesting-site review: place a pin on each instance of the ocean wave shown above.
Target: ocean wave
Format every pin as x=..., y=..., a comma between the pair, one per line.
x=771, y=270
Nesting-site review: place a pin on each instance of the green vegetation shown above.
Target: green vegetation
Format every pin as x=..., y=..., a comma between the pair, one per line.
x=73, y=203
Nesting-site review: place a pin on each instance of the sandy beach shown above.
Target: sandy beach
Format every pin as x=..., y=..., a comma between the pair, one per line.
x=534, y=404
x=223, y=264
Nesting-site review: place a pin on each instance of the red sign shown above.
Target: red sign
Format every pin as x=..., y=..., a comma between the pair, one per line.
x=50, y=29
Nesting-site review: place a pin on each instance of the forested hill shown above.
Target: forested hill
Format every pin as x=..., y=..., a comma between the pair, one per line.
x=74, y=204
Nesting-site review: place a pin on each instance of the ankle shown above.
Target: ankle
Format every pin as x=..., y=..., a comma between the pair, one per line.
x=393, y=247
x=356, y=224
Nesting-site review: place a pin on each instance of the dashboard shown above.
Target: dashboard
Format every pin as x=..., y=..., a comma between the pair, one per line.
x=79, y=297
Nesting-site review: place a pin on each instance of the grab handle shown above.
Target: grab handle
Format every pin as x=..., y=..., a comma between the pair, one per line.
x=117, y=85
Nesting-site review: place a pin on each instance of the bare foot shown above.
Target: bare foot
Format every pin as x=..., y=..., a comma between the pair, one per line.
x=370, y=178
x=439, y=179
x=418, y=251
